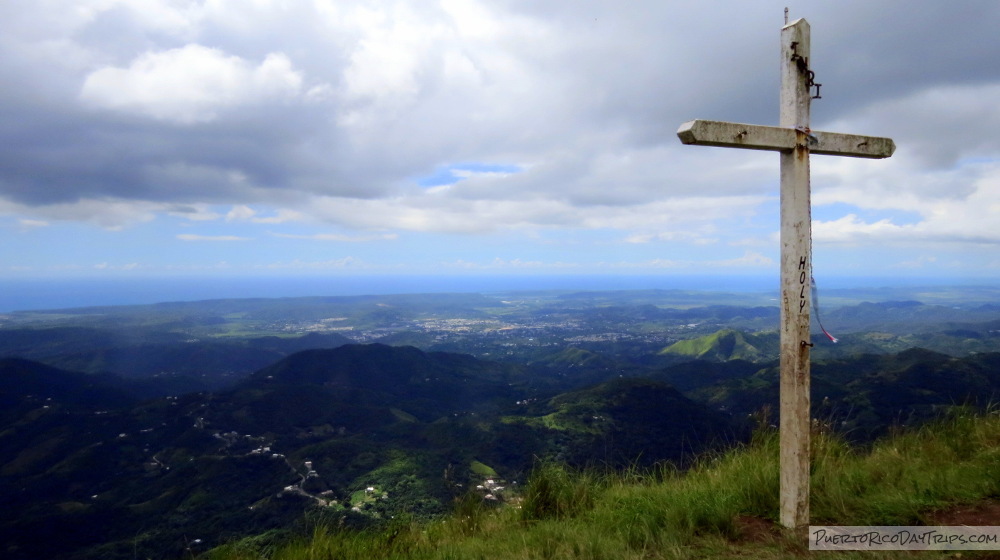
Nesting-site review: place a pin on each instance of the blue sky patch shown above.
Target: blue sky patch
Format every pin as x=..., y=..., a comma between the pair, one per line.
x=451, y=174
x=837, y=210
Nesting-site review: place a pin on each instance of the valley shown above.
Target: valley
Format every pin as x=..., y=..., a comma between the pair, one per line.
x=145, y=428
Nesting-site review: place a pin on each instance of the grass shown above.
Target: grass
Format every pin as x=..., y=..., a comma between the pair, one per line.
x=723, y=507
x=482, y=469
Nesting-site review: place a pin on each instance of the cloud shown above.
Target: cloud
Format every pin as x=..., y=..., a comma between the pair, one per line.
x=27, y=223
x=669, y=236
x=688, y=218
x=243, y=213
x=851, y=229
x=922, y=261
x=193, y=237
x=109, y=214
x=403, y=89
x=960, y=208
x=749, y=259
x=936, y=126
x=106, y=266
x=654, y=264
x=339, y=237
x=189, y=85
x=114, y=113
x=512, y=264
x=240, y=212
x=332, y=264
x=499, y=263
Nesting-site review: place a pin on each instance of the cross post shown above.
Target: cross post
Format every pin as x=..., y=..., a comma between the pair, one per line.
x=794, y=141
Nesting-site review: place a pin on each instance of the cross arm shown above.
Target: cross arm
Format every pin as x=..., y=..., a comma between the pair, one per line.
x=779, y=139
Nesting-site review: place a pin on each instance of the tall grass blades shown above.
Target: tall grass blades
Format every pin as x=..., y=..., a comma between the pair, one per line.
x=554, y=492
x=956, y=459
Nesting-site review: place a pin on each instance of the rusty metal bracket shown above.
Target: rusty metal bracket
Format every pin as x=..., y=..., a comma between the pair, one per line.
x=813, y=140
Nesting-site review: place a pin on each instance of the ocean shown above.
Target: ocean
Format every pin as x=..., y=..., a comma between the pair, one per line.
x=36, y=294
x=63, y=293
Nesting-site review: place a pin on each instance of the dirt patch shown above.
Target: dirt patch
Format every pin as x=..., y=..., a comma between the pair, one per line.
x=753, y=533
x=986, y=512
x=755, y=529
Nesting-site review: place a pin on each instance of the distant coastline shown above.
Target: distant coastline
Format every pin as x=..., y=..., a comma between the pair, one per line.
x=50, y=293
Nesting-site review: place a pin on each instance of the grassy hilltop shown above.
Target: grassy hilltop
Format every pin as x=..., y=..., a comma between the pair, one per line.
x=947, y=473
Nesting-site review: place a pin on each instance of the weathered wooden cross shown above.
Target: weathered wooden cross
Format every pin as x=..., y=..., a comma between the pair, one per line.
x=794, y=140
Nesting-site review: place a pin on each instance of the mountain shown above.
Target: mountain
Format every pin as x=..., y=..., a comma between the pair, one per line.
x=362, y=432
x=36, y=342
x=631, y=422
x=573, y=367
x=431, y=384
x=726, y=344
x=952, y=338
x=860, y=396
x=900, y=317
x=159, y=362
x=694, y=374
x=354, y=433
x=25, y=384
x=79, y=457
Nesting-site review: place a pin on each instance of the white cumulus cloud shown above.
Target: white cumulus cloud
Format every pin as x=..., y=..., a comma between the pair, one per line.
x=190, y=84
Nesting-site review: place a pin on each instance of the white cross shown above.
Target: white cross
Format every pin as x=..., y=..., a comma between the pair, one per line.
x=793, y=139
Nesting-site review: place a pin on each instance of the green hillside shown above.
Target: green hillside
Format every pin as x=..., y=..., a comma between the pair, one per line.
x=952, y=338
x=725, y=507
x=628, y=422
x=863, y=396
x=364, y=435
x=361, y=433
x=726, y=344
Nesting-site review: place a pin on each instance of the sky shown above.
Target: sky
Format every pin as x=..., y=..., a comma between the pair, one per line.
x=159, y=138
